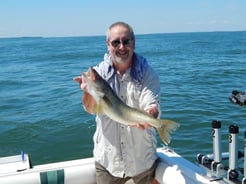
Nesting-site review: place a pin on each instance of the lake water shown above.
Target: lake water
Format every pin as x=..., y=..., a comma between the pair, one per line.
x=40, y=105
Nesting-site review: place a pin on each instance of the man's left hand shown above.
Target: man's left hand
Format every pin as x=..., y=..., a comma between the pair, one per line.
x=153, y=111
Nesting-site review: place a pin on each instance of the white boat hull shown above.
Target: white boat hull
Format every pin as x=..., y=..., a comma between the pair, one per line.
x=172, y=169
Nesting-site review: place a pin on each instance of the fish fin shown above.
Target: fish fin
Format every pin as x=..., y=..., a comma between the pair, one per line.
x=167, y=127
x=97, y=95
x=97, y=109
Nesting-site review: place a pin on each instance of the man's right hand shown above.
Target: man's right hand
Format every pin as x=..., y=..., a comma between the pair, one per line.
x=80, y=80
x=87, y=100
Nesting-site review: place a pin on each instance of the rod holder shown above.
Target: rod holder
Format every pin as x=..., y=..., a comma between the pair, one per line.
x=216, y=165
x=216, y=125
x=233, y=152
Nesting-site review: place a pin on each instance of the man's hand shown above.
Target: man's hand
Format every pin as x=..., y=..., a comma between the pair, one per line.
x=87, y=100
x=153, y=111
x=142, y=126
x=80, y=80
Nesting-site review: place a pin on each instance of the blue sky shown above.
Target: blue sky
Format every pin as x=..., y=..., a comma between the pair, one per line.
x=51, y=18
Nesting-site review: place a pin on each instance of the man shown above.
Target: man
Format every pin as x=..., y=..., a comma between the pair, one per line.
x=125, y=154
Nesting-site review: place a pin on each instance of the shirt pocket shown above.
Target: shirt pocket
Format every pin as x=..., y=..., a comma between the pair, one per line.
x=134, y=92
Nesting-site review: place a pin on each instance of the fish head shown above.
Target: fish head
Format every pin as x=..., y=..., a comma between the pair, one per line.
x=95, y=84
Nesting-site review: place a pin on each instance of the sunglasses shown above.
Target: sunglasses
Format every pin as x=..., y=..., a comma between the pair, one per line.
x=126, y=43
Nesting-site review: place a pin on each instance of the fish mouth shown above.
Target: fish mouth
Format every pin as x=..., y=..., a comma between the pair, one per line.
x=89, y=75
x=85, y=76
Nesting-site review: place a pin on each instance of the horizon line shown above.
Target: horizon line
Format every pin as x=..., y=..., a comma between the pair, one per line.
x=101, y=35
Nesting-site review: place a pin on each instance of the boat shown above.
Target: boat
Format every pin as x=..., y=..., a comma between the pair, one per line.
x=172, y=168
x=18, y=170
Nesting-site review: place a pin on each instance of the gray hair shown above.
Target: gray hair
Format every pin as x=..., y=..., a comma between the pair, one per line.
x=120, y=24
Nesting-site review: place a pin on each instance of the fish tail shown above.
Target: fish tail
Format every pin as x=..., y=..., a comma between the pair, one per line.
x=166, y=128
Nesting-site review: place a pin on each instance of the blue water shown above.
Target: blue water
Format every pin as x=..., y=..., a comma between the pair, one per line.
x=40, y=105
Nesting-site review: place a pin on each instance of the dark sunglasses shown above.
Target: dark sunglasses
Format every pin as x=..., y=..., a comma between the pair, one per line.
x=116, y=43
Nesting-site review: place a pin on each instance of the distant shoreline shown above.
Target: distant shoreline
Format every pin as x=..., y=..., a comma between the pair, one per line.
x=42, y=37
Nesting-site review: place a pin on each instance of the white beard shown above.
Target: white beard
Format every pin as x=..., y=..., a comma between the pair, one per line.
x=121, y=60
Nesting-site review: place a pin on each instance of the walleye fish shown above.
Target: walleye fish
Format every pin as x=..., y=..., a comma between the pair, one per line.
x=109, y=103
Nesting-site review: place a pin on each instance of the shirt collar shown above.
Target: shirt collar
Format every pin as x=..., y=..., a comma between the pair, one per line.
x=137, y=69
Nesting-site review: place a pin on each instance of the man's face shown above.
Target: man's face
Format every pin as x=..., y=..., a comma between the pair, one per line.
x=120, y=44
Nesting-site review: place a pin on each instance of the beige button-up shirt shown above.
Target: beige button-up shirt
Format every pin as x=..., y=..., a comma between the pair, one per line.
x=124, y=150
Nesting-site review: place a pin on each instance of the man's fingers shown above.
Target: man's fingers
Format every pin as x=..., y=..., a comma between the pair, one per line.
x=147, y=125
x=78, y=79
x=153, y=111
x=141, y=126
